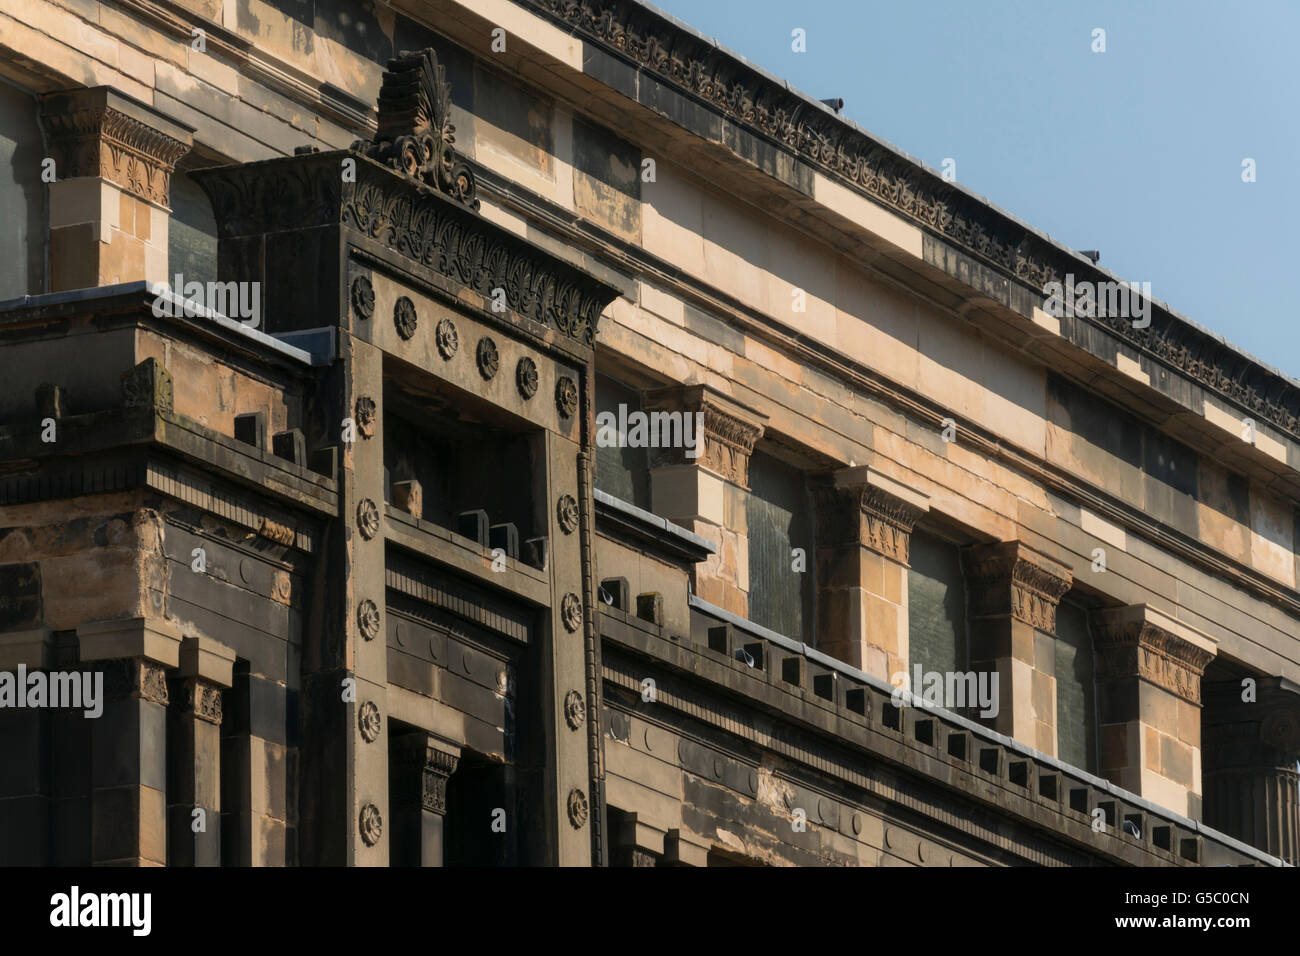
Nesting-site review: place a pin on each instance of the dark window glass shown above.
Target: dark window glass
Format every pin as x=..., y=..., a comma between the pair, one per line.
x=1076, y=741
x=191, y=234
x=779, y=517
x=620, y=471
x=936, y=605
x=22, y=196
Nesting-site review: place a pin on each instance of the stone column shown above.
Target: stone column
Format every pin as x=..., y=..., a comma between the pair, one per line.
x=1149, y=669
x=128, y=772
x=1252, y=789
x=194, y=752
x=1012, y=593
x=26, y=792
x=109, y=204
x=420, y=766
x=703, y=488
x=864, y=527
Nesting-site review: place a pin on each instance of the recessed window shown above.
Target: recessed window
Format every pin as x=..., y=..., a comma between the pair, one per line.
x=779, y=523
x=936, y=605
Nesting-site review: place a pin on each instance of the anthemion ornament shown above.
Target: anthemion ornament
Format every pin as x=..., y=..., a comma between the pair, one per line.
x=575, y=709
x=363, y=297
x=404, y=317
x=371, y=824
x=368, y=619
x=566, y=512
x=488, y=359
x=571, y=612
x=448, y=338
x=577, y=808
x=368, y=721
x=367, y=518
x=526, y=377
x=566, y=396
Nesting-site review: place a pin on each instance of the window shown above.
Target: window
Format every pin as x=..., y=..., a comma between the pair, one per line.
x=191, y=233
x=1076, y=720
x=936, y=605
x=22, y=196
x=621, y=471
x=779, y=517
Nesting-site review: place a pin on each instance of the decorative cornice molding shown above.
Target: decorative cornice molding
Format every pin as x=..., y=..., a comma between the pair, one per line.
x=412, y=220
x=1009, y=578
x=1129, y=644
x=730, y=430
x=768, y=109
x=99, y=132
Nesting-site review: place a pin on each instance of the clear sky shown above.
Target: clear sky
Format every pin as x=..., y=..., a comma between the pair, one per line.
x=1136, y=152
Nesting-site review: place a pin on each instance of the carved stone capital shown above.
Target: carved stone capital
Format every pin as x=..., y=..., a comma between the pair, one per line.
x=861, y=506
x=1009, y=578
x=101, y=132
x=419, y=757
x=1140, y=641
x=729, y=430
x=196, y=698
x=135, y=679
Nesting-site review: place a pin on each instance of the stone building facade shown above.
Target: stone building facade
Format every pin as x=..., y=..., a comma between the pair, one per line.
x=366, y=581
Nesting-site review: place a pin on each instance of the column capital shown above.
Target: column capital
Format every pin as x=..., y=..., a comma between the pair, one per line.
x=1009, y=578
x=435, y=760
x=730, y=430
x=100, y=132
x=1141, y=641
x=861, y=506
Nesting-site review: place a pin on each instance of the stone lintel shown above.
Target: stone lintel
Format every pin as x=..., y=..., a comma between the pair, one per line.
x=1011, y=579
x=207, y=660
x=149, y=639
x=730, y=430
x=1140, y=641
x=34, y=649
x=101, y=132
x=682, y=849
x=861, y=506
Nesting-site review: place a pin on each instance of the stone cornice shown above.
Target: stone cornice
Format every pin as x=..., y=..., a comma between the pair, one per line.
x=730, y=430
x=769, y=109
x=1010, y=578
x=1139, y=641
x=101, y=132
x=861, y=506
x=413, y=220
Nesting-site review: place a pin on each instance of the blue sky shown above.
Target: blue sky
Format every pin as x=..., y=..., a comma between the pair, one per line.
x=1136, y=152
